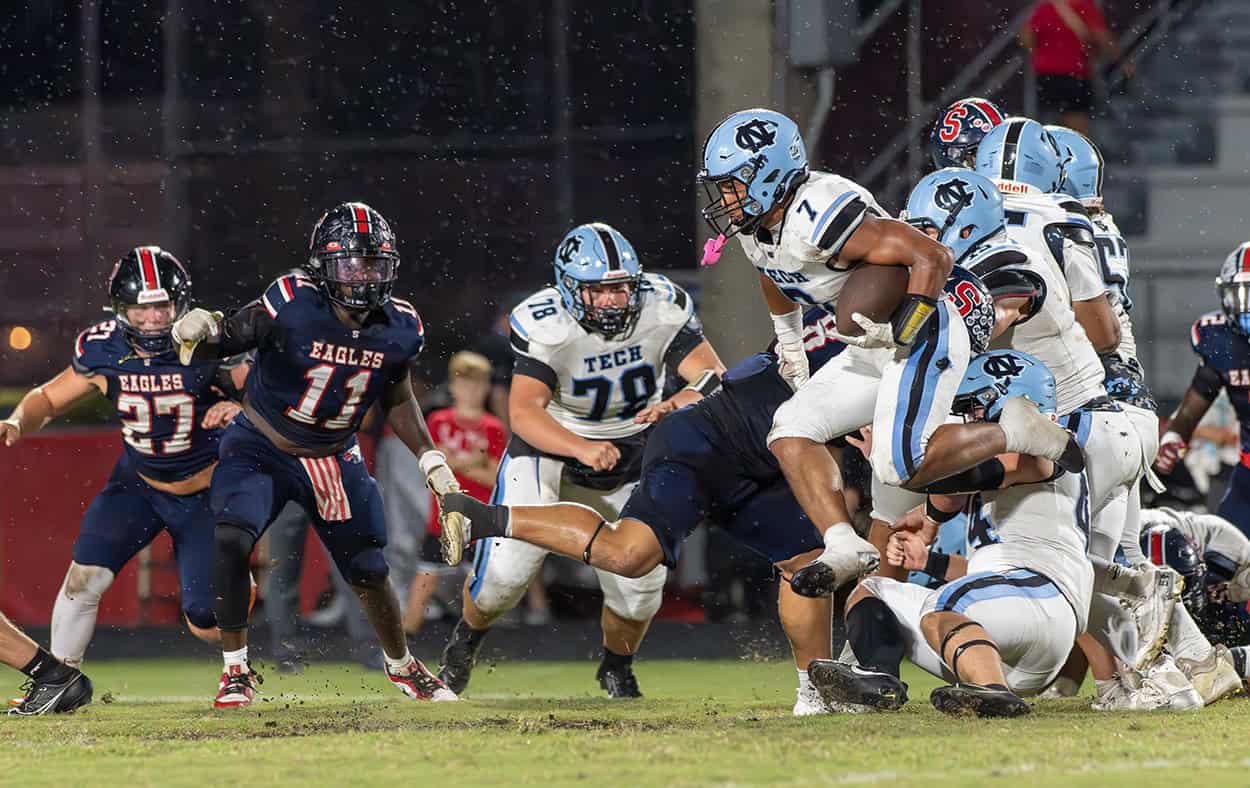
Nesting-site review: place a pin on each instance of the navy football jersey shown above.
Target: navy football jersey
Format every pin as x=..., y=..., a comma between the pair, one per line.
x=314, y=378
x=752, y=391
x=1227, y=353
x=159, y=401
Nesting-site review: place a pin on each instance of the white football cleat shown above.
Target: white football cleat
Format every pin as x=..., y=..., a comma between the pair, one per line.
x=1214, y=677
x=1152, y=614
x=810, y=704
x=1062, y=687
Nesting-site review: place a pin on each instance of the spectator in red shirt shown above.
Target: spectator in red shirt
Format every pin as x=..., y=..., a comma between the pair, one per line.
x=1062, y=35
x=473, y=441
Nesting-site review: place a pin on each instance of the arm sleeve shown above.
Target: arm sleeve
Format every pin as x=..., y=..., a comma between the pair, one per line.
x=688, y=338
x=988, y=475
x=247, y=329
x=1207, y=382
x=225, y=381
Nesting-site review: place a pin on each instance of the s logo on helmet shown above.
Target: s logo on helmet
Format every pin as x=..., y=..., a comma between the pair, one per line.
x=1003, y=366
x=756, y=135
x=952, y=195
x=569, y=248
x=952, y=124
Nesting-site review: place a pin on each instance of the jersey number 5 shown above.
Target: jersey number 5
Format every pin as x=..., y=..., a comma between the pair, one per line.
x=318, y=381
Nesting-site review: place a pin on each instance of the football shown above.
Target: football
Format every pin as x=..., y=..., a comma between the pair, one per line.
x=873, y=291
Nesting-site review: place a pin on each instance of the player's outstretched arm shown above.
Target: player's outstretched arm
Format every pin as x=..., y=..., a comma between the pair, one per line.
x=202, y=334
x=44, y=403
x=527, y=408
x=702, y=370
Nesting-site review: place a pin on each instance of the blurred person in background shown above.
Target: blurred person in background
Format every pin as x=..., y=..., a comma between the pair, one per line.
x=1062, y=35
x=497, y=348
x=473, y=441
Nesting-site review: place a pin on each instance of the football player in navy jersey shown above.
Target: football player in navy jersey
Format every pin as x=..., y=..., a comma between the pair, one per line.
x=1222, y=342
x=330, y=341
x=171, y=418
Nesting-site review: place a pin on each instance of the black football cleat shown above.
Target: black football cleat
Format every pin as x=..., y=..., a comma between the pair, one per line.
x=619, y=681
x=459, y=657
x=959, y=700
x=54, y=697
x=841, y=684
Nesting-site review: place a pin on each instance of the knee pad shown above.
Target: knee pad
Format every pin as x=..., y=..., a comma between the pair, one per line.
x=634, y=599
x=86, y=583
x=234, y=541
x=367, y=569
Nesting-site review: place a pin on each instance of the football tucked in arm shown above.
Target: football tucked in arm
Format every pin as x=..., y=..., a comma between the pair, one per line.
x=874, y=291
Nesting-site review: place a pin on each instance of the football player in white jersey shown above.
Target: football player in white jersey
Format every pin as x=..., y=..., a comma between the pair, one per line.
x=805, y=232
x=1004, y=622
x=1027, y=165
x=592, y=356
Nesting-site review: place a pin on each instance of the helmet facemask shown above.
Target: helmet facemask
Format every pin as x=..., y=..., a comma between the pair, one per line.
x=719, y=212
x=610, y=321
x=150, y=340
x=1235, y=301
x=358, y=282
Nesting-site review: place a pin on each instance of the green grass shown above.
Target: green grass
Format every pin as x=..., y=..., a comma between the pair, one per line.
x=722, y=723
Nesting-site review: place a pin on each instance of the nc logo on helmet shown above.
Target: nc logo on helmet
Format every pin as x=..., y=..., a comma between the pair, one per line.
x=756, y=135
x=1003, y=366
x=952, y=194
x=569, y=248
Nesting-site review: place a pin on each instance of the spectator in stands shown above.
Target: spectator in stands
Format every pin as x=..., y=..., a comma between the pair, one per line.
x=1062, y=35
x=497, y=348
x=473, y=441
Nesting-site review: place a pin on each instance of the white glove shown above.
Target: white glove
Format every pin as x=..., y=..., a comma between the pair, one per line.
x=789, y=330
x=794, y=368
x=875, y=334
x=193, y=328
x=438, y=476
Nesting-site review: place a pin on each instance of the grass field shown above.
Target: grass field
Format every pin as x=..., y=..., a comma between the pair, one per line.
x=722, y=723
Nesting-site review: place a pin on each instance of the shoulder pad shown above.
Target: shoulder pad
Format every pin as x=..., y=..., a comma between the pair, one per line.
x=284, y=290
x=404, y=316
x=541, y=319
x=669, y=303
x=99, y=346
x=1207, y=329
x=993, y=257
x=824, y=213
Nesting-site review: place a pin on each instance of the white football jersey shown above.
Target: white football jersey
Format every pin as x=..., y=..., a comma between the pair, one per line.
x=801, y=254
x=1035, y=221
x=1208, y=532
x=598, y=384
x=1052, y=335
x=1043, y=527
x=1113, y=259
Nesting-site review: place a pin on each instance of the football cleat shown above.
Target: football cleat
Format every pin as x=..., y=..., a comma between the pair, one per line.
x=459, y=657
x=54, y=697
x=1214, y=677
x=418, y=683
x=958, y=700
x=810, y=704
x=1062, y=687
x=841, y=684
x=619, y=682
x=1152, y=614
x=237, y=687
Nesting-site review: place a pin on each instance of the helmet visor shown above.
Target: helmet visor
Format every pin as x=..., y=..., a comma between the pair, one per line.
x=360, y=270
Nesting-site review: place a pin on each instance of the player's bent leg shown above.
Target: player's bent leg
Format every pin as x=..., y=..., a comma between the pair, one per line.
x=973, y=658
x=629, y=604
x=808, y=627
x=52, y=686
x=75, y=610
x=879, y=642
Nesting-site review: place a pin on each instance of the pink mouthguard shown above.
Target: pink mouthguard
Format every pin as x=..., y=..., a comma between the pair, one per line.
x=712, y=250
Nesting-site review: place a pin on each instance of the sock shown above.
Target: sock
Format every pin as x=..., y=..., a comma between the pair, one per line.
x=74, y=616
x=1103, y=686
x=484, y=519
x=804, y=682
x=613, y=660
x=398, y=666
x=45, y=667
x=1239, y=659
x=1185, y=640
x=235, y=659
x=875, y=636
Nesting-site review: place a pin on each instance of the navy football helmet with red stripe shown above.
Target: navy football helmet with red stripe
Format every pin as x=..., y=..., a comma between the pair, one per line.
x=353, y=256
x=1233, y=285
x=1167, y=545
x=960, y=129
x=149, y=275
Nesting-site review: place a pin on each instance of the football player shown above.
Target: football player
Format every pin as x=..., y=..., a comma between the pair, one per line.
x=804, y=232
x=960, y=129
x=1213, y=558
x=1004, y=621
x=1222, y=341
x=172, y=418
x=51, y=685
x=592, y=356
x=330, y=341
